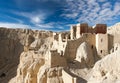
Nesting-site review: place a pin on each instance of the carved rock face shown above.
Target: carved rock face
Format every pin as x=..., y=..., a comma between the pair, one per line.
x=106, y=70
x=84, y=55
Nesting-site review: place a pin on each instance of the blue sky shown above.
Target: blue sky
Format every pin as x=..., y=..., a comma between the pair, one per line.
x=57, y=15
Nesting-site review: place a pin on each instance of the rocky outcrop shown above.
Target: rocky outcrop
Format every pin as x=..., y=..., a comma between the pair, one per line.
x=13, y=42
x=50, y=75
x=107, y=70
x=84, y=55
x=83, y=62
x=115, y=29
x=28, y=67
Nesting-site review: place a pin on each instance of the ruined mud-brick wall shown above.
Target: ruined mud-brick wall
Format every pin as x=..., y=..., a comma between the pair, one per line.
x=84, y=28
x=81, y=28
x=54, y=59
x=90, y=38
x=77, y=30
x=71, y=48
x=101, y=28
x=72, y=45
x=102, y=44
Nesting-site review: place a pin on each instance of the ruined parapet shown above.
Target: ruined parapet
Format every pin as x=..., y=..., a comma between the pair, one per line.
x=102, y=44
x=84, y=28
x=77, y=30
x=54, y=59
x=101, y=28
x=81, y=28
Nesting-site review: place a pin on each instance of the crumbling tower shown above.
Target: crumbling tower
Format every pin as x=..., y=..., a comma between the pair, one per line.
x=81, y=28
x=101, y=28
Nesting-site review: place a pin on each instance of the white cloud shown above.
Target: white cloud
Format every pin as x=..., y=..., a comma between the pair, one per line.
x=102, y=0
x=36, y=19
x=71, y=15
x=14, y=25
x=106, y=5
x=50, y=25
x=46, y=26
x=35, y=16
x=91, y=11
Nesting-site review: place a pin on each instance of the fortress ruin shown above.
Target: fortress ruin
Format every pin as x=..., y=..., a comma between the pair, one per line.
x=65, y=45
x=62, y=56
x=96, y=37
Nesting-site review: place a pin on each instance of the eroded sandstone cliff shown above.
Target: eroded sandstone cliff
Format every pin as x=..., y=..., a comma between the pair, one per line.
x=32, y=56
x=14, y=45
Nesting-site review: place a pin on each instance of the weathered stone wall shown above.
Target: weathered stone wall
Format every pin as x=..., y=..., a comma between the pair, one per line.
x=101, y=28
x=81, y=28
x=84, y=28
x=90, y=38
x=54, y=59
x=71, y=48
x=102, y=44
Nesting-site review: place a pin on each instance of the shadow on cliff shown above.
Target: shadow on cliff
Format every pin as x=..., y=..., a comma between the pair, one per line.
x=10, y=51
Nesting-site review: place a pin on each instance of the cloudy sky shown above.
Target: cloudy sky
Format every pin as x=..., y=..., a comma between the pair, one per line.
x=57, y=15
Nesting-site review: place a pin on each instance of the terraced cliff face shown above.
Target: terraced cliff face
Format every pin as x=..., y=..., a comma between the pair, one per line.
x=14, y=54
